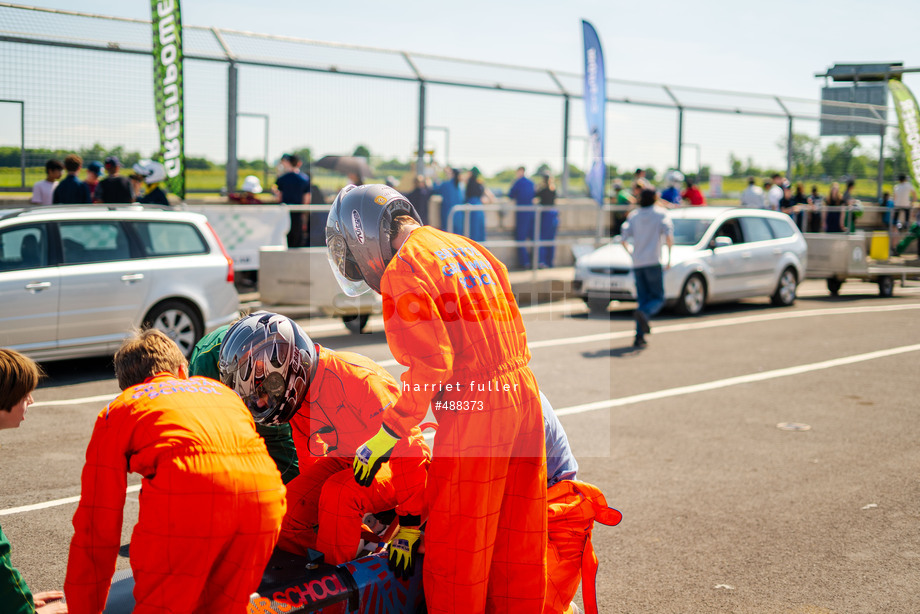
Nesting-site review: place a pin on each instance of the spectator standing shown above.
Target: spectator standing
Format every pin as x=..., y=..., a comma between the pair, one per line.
x=153, y=174
x=420, y=196
x=522, y=192
x=815, y=202
x=247, y=192
x=549, y=220
x=72, y=191
x=292, y=187
x=693, y=195
x=317, y=222
x=752, y=196
x=639, y=182
x=43, y=191
x=647, y=226
x=800, y=202
x=671, y=194
x=93, y=172
x=451, y=195
x=833, y=213
x=786, y=204
x=849, y=201
x=888, y=203
x=621, y=196
x=904, y=195
x=19, y=377
x=114, y=189
x=476, y=194
x=775, y=192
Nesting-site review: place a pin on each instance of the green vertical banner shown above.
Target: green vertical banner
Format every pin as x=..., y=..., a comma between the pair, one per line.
x=909, y=121
x=167, y=89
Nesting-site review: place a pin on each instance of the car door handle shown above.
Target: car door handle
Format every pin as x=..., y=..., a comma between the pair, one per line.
x=777, y=250
x=38, y=286
x=132, y=277
x=746, y=255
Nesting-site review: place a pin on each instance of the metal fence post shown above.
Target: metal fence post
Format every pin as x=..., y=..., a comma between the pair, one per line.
x=22, y=141
x=881, y=166
x=420, y=160
x=232, y=165
x=680, y=126
x=565, y=145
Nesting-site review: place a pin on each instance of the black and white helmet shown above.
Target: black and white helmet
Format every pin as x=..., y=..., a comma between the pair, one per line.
x=269, y=361
x=358, y=234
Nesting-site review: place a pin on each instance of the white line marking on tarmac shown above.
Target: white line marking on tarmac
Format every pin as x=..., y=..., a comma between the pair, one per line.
x=620, y=402
x=55, y=503
x=85, y=400
x=658, y=330
x=734, y=381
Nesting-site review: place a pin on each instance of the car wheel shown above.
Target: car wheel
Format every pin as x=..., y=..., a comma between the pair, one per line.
x=356, y=324
x=885, y=286
x=179, y=321
x=785, y=288
x=597, y=305
x=833, y=285
x=692, y=296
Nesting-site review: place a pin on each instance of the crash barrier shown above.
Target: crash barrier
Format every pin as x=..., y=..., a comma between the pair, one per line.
x=506, y=249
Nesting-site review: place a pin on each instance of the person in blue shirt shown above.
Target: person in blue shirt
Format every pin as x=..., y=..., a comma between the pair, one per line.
x=560, y=462
x=293, y=188
x=522, y=192
x=451, y=195
x=671, y=193
x=476, y=194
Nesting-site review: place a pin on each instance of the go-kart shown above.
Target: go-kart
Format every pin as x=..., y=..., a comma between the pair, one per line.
x=293, y=583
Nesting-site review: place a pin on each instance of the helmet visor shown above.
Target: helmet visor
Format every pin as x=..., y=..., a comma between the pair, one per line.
x=344, y=266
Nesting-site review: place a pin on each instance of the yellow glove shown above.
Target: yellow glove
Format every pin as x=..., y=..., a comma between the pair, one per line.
x=372, y=454
x=403, y=550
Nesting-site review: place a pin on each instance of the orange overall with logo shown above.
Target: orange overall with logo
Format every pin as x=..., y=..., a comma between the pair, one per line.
x=211, y=500
x=451, y=319
x=343, y=409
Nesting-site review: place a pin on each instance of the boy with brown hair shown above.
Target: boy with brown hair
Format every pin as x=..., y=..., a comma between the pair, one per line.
x=19, y=376
x=212, y=499
x=72, y=191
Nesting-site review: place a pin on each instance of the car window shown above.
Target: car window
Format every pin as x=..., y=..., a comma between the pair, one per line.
x=732, y=230
x=95, y=241
x=781, y=228
x=689, y=231
x=170, y=238
x=23, y=247
x=756, y=229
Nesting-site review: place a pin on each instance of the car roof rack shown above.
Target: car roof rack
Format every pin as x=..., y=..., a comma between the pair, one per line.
x=87, y=207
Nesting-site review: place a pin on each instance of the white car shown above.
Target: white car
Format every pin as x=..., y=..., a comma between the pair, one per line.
x=719, y=254
x=74, y=280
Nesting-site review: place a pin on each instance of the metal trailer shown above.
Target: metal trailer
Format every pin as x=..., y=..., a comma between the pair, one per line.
x=836, y=257
x=303, y=277
x=294, y=583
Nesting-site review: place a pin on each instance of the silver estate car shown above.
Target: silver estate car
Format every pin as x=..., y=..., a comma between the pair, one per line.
x=75, y=279
x=720, y=254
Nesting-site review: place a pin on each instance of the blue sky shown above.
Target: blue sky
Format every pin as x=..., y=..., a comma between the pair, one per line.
x=718, y=44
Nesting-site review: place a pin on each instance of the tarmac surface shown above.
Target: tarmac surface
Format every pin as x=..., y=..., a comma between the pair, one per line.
x=723, y=511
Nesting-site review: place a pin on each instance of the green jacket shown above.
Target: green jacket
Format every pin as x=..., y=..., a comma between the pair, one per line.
x=278, y=439
x=15, y=595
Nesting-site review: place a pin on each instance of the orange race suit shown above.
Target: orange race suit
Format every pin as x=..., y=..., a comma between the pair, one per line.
x=211, y=500
x=451, y=318
x=344, y=407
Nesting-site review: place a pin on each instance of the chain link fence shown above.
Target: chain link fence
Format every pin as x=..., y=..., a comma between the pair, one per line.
x=77, y=82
